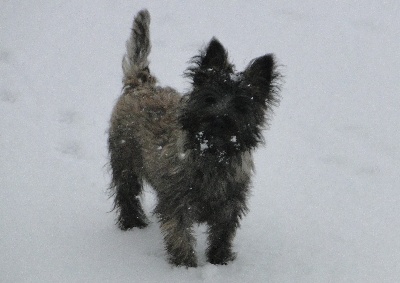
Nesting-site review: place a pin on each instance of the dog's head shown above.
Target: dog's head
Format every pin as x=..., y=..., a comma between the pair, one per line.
x=225, y=111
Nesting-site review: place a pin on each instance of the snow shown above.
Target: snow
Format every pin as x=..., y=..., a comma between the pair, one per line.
x=325, y=203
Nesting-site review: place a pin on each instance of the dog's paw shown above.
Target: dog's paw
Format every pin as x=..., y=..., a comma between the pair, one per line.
x=184, y=262
x=127, y=224
x=220, y=256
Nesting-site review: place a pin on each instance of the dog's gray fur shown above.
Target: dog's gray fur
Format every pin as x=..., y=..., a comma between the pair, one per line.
x=200, y=170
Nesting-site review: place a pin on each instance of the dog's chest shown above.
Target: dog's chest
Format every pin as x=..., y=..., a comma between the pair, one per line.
x=212, y=187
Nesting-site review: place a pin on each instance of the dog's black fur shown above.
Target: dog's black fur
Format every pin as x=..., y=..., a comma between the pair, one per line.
x=195, y=150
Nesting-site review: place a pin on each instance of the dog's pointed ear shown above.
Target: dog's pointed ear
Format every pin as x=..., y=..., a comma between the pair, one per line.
x=209, y=65
x=262, y=77
x=260, y=72
x=215, y=56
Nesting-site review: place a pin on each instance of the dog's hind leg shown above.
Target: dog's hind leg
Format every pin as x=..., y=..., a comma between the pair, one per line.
x=126, y=183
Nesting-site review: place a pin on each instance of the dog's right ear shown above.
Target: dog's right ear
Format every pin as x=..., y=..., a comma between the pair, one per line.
x=213, y=59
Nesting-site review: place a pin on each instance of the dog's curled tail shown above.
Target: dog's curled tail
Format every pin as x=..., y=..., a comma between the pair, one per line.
x=135, y=64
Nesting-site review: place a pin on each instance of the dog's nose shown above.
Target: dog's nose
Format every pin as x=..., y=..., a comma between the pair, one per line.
x=218, y=122
x=222, y=121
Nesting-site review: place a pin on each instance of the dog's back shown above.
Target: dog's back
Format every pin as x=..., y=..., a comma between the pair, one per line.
x=145, y=112
x=142, y=121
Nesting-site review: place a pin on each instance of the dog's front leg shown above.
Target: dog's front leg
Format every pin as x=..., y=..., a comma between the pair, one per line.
x=221, y=232
x=178, y=237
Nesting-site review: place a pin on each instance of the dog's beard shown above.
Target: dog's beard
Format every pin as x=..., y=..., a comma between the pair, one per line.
x=220, y=136
x=216, y=141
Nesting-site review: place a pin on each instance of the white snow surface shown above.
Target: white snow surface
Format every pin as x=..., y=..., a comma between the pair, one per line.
x=325, y=204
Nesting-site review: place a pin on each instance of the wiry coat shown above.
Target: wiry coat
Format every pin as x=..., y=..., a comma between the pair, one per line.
x=195, y=150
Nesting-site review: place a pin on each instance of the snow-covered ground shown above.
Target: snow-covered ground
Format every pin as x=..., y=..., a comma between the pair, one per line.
x=326, y=196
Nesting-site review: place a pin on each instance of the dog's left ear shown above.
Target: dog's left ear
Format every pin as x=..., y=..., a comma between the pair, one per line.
x=260, y=73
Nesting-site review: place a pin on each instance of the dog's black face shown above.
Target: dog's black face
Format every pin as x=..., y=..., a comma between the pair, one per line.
x=225, y=112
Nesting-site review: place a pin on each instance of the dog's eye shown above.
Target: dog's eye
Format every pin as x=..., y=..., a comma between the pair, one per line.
x=210, y=100
x=242, y=104
x=241, y=108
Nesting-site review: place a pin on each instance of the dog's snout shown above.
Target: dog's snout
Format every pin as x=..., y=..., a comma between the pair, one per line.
x=222, y=121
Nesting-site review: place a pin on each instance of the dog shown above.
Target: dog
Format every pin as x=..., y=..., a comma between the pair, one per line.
x=195, y=149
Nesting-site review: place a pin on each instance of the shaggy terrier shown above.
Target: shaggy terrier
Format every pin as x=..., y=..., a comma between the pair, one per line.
x=195, y=150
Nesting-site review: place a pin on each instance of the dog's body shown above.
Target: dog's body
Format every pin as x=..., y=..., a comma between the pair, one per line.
x=195, y=150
